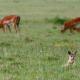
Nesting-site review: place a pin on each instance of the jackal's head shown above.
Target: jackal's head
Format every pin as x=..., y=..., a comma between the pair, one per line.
x=71, y=57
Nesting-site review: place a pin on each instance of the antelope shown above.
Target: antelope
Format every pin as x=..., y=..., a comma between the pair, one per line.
x=11, y=19
x=71, y=25
x=71, y=58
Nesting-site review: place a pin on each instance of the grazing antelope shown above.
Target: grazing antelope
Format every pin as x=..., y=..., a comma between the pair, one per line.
x=71, y=58
x=71, y=25
x=11, y=19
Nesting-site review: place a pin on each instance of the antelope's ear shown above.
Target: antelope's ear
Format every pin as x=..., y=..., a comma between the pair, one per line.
x=69, y=52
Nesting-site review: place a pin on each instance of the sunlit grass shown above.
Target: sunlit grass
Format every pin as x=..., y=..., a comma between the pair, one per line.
x=40, y=49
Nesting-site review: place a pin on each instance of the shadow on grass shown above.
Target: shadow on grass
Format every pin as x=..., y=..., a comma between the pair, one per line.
x=28, y=39
x=51, y=58
x=5, y=44
x=57, y=20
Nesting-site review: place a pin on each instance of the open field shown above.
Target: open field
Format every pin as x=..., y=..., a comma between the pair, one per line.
x=39, y=50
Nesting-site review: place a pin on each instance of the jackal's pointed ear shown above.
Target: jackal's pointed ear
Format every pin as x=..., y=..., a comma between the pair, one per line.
x=69, y=52
x=75, y=52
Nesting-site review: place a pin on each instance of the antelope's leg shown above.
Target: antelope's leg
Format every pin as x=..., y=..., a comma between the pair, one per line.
x=15, y=27
x=4, y=28
x=71, y=30
x=65, y=28
x=9, y=27
x=18, y=29
x=17, y=24
x=74, y=27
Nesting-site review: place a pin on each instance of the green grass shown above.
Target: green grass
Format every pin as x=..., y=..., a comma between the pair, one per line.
x=40, y=50
x=57, y=20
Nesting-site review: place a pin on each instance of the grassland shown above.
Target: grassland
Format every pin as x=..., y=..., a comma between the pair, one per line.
x=40, y=50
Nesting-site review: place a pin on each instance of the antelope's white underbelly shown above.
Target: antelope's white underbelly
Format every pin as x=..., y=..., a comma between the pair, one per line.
x=8, y=21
